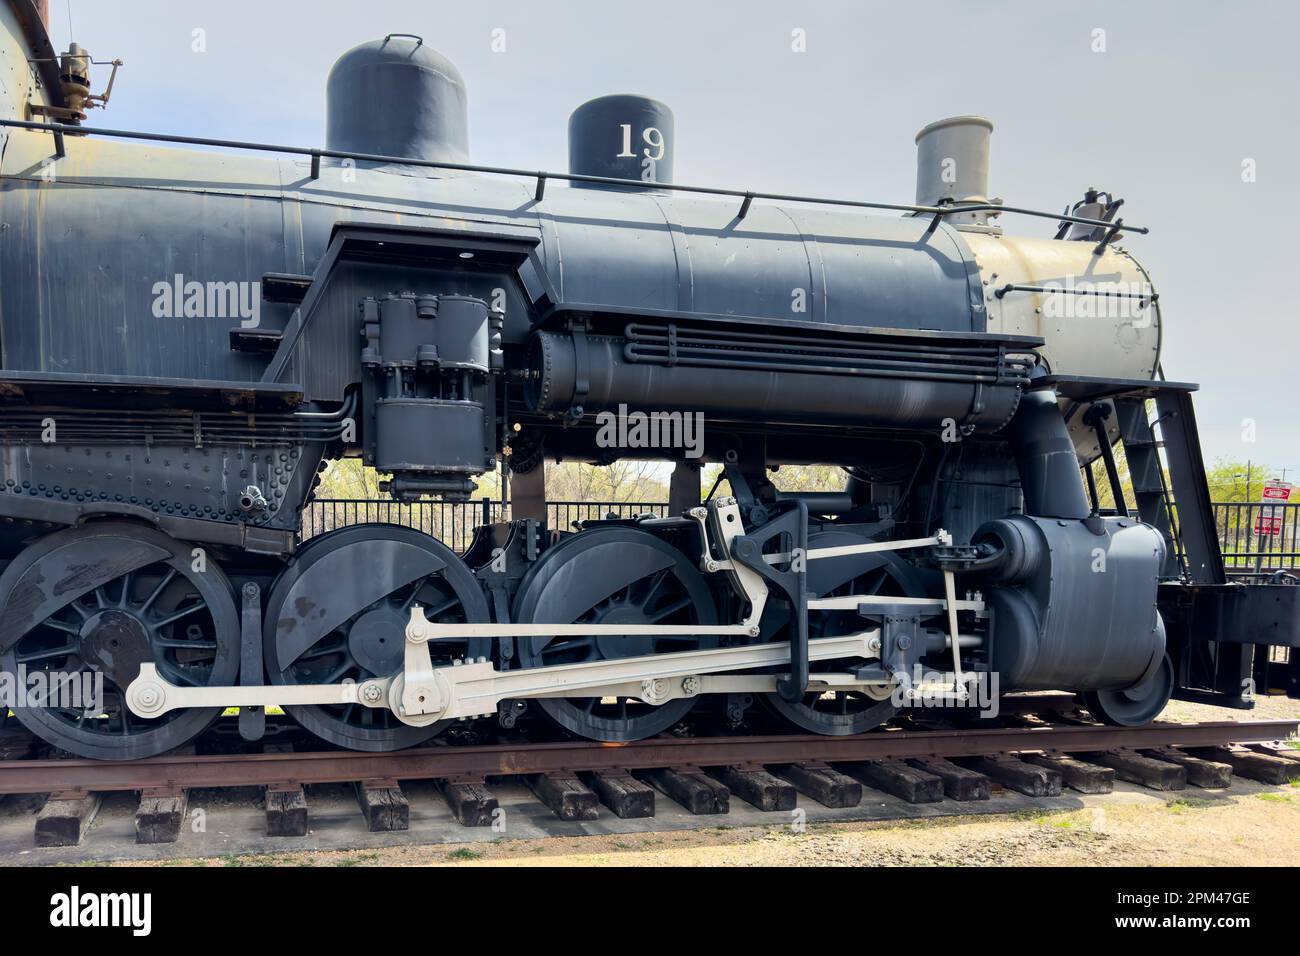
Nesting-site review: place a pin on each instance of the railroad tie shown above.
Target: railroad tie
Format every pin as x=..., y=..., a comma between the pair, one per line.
x=1253, y=765
x=822, y=782
x=1209, y=774
x=1132, y=766
x=1015, y=774
x=383, y=805
x=689, y=786
x=565, y=794
x=1076, y=774
x=622, y=793
x=286, y=810
x=1276, y=749
x=959, y=783
x=471, y=803
x=160, y=814
x=897, y=778
x=66, y=817
x=760, y=789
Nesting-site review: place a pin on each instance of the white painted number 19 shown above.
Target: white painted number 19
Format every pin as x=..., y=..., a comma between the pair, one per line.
x=653, y=137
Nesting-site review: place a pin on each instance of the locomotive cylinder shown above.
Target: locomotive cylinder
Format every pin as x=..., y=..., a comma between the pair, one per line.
x=1072, y=608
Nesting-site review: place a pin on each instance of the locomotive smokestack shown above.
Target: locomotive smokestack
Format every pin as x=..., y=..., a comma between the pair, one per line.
x=623, y=137
x=952, y=164
x=397, y=97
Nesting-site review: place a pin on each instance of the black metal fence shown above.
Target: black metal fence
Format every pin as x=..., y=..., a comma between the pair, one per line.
x=1245, y=550
x=453, y=522
x=1258, y=539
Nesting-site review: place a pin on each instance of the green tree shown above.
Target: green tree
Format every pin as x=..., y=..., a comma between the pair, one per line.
x=1232, y=480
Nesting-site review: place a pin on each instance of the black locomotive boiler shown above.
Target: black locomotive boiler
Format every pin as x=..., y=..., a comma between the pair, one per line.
x=190, y=336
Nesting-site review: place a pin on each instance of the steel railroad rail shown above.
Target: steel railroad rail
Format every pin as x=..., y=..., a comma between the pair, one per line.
x=468, y=762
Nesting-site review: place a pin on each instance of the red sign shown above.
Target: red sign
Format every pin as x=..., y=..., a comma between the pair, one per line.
x=1269, y=520
x=1267, y=526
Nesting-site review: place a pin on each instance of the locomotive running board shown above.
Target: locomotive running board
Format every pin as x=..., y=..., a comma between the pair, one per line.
x=474, y=689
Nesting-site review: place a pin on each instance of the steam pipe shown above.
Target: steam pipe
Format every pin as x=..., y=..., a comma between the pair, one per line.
x=1045, y=457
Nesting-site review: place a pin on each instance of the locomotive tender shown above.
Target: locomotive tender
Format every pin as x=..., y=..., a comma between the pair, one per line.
x=189, y=337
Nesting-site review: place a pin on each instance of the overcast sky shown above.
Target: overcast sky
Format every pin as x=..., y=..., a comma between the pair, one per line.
x=1183, y=94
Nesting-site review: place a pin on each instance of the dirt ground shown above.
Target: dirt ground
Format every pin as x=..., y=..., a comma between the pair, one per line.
x=1266, y=708
x=1260, y=827
x=1188, y=829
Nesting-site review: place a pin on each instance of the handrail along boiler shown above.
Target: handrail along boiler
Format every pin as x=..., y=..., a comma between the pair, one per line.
x=190, y=337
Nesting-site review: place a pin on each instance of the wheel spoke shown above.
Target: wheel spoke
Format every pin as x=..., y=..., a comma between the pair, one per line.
x=318, y=651
x=47, y=654
x=433, y=613
x=655, y=583
x=338, y=672
x=171, y=643
x=181, y=676
x=58, y=625
x=671, y=609
x=416, y=588
x=177, y=615
x=166, y=580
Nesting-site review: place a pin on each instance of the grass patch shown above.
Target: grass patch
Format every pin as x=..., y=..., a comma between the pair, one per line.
x=1275, y=797
x=1183, y=804
x=464, y=853
x=1043, y=817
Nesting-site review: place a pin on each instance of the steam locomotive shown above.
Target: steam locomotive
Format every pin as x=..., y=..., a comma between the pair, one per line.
x=190, y=336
